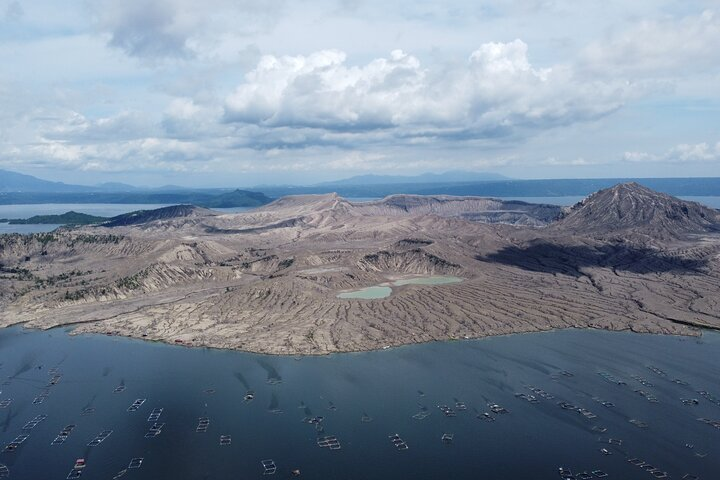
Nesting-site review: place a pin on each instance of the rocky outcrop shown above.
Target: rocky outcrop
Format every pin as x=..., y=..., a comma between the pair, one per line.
x=412, y=261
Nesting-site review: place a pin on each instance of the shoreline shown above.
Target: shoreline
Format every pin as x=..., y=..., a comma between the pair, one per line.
x=698, y=332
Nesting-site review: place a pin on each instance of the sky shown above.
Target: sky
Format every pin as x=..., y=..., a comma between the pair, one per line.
x=240, y=92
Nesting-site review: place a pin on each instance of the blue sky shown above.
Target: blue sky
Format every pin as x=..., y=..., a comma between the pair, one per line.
x=240, y=92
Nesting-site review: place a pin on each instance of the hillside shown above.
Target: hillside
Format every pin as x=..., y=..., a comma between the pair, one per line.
x=638, y=210
x=146, y=216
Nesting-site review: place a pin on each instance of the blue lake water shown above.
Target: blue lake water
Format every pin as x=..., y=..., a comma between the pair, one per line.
x=390, y=387
x=7, y=228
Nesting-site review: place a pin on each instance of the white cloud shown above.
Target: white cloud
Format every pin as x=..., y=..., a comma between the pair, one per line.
x=683, y=153
x=123, y=126
x=554, y=161
x=494, y=93
x=669, y=46
x=186, y=119
x=141, y=154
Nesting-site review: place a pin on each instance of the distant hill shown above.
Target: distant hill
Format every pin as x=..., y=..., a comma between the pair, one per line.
x=116, y=187
x=68, y=218
x=447, y=177
x=17, y=188
x=631, y=207
x=164, y=213
x=18, y=182
x=236, y=198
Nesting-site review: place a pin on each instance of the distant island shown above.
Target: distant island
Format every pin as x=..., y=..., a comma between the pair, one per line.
x=67, y=218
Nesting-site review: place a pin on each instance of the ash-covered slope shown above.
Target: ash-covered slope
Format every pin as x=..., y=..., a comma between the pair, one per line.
x=303, y=205
x=638, y=211
x=164, y=213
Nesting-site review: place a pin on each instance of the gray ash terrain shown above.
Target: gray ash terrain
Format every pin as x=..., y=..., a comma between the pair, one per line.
x=269, y=280
x=633, y=209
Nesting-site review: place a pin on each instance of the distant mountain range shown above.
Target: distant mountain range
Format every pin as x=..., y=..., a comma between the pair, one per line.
x=18, y=182
x=17, y=188
x=13, y=182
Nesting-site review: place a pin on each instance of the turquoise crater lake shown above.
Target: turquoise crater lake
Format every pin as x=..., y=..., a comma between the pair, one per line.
x=385, y=289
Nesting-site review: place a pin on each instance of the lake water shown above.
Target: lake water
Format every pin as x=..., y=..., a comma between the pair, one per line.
x=368, y=293
x=384, y=290
x=7, y=228
x=389, y=387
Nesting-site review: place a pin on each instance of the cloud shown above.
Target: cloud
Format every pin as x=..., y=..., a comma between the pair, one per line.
x=185, y=119
x=123, y=126
x=149, y=154
x=495, y=93
x=683, y=153
x=320, y=111
x=14, y=11
x=166, y=29
x=669, y=46
x=315, y=86
x=150, y=29
x=579, y=161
